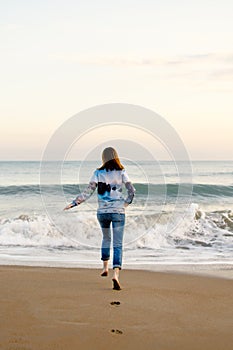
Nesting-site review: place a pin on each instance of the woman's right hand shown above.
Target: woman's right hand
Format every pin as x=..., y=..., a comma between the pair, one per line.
x=69, y=206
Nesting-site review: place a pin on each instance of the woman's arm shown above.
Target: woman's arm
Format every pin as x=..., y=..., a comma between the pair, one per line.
x=82, y=197
x=130, y=190
x=87, y=193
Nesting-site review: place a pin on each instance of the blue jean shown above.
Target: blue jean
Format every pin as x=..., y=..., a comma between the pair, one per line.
x=118, y=224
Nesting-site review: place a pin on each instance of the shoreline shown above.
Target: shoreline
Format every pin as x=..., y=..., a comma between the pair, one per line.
x=220, y=270
x=60, y=308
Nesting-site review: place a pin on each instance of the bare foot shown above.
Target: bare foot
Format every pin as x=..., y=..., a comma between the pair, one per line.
x=104, y=273
x=116, y=284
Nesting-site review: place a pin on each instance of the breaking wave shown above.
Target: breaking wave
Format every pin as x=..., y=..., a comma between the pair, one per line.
x=203, y=190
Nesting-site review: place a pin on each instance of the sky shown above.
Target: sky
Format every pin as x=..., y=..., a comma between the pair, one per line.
x=58, y=58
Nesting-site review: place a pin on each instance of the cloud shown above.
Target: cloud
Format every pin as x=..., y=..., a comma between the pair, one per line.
x=226, y=74
x=145, y=61
x=11, y=27
x=196, y=67
x=106, y=60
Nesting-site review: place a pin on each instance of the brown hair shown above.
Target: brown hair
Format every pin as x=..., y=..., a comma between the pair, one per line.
x=110, y=160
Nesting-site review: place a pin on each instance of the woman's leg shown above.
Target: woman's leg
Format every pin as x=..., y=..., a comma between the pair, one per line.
x=106, y=242
x=118, y=224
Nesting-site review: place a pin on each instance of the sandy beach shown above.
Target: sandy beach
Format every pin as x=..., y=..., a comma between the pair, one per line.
x=55, y=308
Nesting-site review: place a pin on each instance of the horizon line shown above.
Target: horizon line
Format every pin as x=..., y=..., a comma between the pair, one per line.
x=94, y=160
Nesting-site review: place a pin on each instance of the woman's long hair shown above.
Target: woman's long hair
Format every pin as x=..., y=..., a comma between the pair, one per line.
x=110, y=160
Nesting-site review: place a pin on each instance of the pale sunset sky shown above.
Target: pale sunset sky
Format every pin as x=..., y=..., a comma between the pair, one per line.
x=61, y=57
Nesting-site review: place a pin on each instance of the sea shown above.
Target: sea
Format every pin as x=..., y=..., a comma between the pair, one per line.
x=182, y=214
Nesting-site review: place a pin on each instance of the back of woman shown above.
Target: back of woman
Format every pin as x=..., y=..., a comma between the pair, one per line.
x=109, y=179
x=109, y=184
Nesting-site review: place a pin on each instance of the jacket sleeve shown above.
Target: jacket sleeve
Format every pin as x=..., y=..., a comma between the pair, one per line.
x=130, y=189
x=88, y=191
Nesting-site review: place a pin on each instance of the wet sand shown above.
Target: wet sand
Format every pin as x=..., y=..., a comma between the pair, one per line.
x=58, y=308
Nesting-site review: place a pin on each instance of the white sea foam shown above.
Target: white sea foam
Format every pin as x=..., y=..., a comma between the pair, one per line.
x=81, y=231
x=154, y=232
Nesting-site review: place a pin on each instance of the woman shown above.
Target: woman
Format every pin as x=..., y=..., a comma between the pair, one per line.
x=109, y=179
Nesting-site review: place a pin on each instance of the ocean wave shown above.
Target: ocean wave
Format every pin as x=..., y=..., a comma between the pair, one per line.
x=212, y=230
x=203, y=190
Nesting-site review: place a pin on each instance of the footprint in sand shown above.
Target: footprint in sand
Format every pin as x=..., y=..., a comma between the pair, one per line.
x=117, y=331
x=115, y=303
